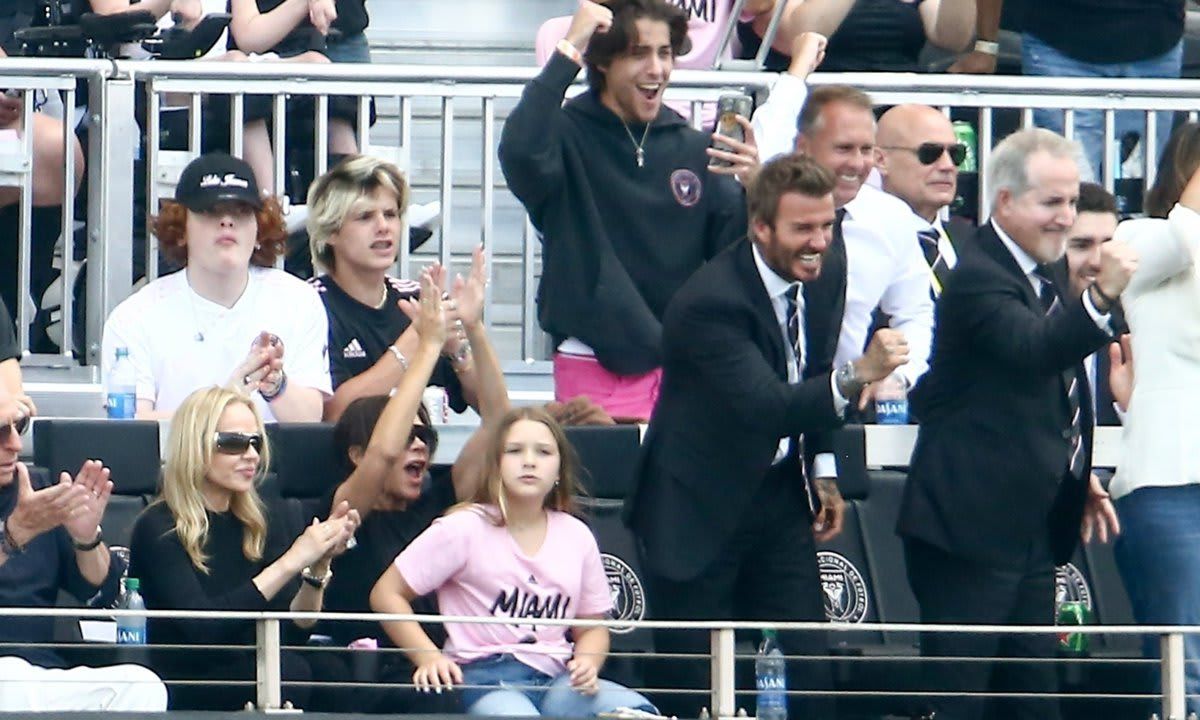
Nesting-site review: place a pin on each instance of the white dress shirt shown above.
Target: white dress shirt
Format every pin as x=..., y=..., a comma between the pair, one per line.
x=885, y=268
x=824, y=464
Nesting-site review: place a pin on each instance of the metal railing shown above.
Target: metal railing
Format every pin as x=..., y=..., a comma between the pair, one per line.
x=723, y=693
x=455, y=100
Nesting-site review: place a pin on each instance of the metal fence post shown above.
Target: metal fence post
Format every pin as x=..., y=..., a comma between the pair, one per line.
x=1174, y=696
x=113, y=141
x=266, y=659
x=724, y=701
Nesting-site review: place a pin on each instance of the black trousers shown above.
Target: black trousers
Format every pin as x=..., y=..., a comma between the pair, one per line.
x=954, y=590
x=768, y=572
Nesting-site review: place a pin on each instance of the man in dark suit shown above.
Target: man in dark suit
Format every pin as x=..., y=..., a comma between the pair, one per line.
x=723, y=510
x=997, y=487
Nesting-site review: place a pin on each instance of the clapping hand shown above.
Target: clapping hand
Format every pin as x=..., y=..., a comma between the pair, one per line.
x=428, y=314
x=77, y=504
x=466, y=297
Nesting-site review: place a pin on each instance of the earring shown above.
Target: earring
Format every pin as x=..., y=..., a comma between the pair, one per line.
x=258, y=246
x=555, y=483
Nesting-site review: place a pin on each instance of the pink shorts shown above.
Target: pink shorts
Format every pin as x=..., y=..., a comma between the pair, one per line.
x=624, y=397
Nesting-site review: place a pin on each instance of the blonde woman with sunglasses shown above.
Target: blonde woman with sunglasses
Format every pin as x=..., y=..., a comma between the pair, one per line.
x=210, y=542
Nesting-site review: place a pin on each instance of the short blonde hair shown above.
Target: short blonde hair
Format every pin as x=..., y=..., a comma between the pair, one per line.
x=331, y=197
x=190, y=449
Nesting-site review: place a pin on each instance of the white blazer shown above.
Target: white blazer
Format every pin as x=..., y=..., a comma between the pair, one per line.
x=1161, y=440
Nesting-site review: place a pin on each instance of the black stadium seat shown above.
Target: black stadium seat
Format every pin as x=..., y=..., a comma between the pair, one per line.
x=129, y=447
x=618, y=552
x=303, y=458
x=609, y=457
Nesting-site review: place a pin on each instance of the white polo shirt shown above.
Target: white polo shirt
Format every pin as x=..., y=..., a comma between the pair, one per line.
x=179, y=342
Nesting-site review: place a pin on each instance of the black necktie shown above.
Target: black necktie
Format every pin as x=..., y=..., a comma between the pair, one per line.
x=793, y=319
x=1070, y=378
x=793, y=335
x=933, y=256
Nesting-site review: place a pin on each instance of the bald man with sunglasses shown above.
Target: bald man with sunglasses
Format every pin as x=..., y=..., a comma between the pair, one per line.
x=917, y=155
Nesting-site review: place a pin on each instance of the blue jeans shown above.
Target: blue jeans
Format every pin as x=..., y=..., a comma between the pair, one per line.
x=1038, y=58
x=1158, y=555
x=523, y=691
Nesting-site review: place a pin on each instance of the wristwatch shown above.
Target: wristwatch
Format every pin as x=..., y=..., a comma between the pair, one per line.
x=318, y=582
x=7, y=544
x=89, y=546
x=848, y=382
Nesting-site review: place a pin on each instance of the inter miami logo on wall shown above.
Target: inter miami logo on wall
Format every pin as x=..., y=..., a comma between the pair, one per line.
x=1071, y=586
x=628, y=596
x=843, y=588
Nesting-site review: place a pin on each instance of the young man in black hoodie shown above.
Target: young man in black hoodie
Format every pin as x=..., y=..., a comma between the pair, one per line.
x=620, y=190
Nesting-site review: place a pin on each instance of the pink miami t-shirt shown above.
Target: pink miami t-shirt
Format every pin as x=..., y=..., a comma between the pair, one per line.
x=477, y=569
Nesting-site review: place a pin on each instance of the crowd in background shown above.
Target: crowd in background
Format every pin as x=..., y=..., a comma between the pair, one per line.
x=743, y=292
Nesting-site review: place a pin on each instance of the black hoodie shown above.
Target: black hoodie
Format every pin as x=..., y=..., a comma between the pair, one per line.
x=618, y=239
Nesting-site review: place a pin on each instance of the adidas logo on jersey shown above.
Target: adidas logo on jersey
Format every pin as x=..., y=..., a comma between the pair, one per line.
x=353, y=350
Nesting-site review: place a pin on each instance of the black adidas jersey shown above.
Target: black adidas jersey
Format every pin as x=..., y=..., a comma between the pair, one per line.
x=359, y=335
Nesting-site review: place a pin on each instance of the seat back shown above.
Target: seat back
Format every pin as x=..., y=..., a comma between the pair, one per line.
x=885, y=552
x=608, y=455
x=846, y=584
x=130, y=449
x=618, y=552
x=304, y=459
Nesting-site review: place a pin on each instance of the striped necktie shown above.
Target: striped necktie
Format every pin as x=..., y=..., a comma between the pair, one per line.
x=793, y=335
x=933, y=256
x=1070, y=378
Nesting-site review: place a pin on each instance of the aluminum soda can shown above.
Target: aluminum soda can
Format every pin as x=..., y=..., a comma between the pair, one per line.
x=1073, y=612
x=964, y=132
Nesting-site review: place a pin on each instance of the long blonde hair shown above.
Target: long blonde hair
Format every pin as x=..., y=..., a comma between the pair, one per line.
x=491, y=491
x=190, y=449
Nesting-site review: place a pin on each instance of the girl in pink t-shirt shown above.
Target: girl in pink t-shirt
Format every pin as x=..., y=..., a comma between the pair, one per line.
x=517, y=552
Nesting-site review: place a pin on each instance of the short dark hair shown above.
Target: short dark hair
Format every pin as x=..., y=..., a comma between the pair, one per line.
x=357, y=423
x=785, y=174
x=1094, y=198
x=603, y=48
x=809, y=118
x=1179, y=161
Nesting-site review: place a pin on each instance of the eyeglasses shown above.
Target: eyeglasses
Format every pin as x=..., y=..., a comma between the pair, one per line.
x=17, y=426
x=929, y=153
x=425, y=434
x=236, y=443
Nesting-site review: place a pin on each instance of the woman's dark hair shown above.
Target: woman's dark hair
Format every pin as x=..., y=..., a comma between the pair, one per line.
x=603, y=48
x=1178, y=163
x=357, y=423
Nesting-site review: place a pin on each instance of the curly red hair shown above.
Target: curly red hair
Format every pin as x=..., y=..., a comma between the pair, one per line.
x=170, y=227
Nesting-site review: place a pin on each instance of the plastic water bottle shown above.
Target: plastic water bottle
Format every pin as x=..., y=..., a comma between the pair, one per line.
x=121, y=402
x=131, y=630
x=891, y=401
x=770, y=679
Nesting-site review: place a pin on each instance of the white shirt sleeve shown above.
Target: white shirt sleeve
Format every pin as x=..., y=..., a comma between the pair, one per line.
x=825, y=464
x=908, y=302
x=120, y=332
x=306, y=358
x=775, y=120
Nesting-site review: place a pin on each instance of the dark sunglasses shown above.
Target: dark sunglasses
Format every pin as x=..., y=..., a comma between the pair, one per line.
x=929, y=153
x=426, y=434
x=236, y=443
x=17, y=426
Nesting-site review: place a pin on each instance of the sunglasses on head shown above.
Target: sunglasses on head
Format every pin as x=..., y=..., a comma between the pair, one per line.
x=930, y=152
x=425, y=434
x=17, y=426
x=236, y=443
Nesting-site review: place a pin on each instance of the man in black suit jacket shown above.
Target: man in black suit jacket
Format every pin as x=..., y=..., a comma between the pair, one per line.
x=723, y=512
x=997, y=487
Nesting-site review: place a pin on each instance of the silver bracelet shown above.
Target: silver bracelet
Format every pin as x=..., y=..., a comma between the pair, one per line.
x=399, y=357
